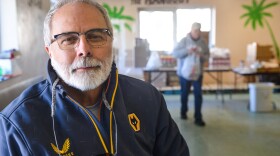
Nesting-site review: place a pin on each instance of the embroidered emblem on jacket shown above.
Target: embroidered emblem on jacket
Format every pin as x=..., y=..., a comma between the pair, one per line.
x=134, y=122
x=65, y=148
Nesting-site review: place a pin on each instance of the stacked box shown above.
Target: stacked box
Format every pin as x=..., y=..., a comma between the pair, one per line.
x=220, y=62
x=168, y=61
x=219, y=58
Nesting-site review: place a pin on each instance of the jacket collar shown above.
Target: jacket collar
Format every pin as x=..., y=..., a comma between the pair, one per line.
x=52, y=76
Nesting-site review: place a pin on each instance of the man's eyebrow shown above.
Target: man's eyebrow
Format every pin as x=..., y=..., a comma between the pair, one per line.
x=71, y=32
x=65, y=33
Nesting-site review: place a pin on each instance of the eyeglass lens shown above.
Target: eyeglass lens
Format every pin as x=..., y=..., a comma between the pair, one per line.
x=95, y=38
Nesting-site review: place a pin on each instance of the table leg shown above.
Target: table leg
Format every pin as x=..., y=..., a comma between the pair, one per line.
x=147, y=76
x=167, y=83
x=222, y=89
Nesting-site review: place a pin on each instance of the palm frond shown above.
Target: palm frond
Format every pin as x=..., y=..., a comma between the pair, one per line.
x=260, y=22
x=261, y=3
x=256, y=13
x=117, y=27
x=129, y=18
x=247, y=7
x=245, y=15
x=269, y=5
x=115, y=10
x=128, y=27
x=120, y=11
x=267, y=14
x=255, y=4
x=254, y=24
x=247, y=22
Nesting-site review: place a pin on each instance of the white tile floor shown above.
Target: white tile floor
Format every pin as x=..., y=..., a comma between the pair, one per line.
x=231, y=130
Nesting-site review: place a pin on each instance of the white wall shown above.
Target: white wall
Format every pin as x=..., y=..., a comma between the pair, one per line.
x=8, y=25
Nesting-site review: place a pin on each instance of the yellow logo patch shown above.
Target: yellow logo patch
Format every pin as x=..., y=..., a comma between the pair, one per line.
x=134, y=122
x=65, y=148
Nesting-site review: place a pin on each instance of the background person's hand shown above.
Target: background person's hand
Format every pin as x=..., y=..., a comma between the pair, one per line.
x=195, y=50
x=192, y=49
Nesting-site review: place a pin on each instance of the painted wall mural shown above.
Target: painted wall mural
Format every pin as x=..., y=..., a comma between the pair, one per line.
x=256, y=16
x=116, y=13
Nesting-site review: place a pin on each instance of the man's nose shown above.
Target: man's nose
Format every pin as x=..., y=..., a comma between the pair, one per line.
x=84, y=48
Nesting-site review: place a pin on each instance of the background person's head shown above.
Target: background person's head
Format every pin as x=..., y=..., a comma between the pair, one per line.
x=78, y=37
x=195, y=30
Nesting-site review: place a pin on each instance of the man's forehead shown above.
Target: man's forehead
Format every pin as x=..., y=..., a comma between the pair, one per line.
x=78, y=11
x=75, y=6
x=77, y=17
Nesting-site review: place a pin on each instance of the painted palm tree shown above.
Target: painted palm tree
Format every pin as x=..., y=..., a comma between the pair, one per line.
x=117, y=14
x=256, y=15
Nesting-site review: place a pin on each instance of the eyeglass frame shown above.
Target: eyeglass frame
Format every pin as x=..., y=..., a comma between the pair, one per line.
x=82, y=33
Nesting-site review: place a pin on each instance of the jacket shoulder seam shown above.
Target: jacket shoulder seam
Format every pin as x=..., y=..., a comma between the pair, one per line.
x=25, y=99
x=19, y=132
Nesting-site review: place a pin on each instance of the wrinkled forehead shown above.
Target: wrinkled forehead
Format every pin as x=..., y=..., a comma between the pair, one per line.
x=78, y=17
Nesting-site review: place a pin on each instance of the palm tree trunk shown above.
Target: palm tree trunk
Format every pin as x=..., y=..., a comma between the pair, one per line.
x=274, y=41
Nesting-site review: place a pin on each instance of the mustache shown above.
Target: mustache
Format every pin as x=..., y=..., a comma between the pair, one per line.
x=85, y=63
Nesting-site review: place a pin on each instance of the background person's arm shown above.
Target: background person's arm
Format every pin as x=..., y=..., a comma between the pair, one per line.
x=180, y=49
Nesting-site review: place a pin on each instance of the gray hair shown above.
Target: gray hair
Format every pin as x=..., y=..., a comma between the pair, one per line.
x=59, y=4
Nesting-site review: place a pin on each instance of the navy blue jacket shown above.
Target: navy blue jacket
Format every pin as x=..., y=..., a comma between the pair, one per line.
x=138, y=123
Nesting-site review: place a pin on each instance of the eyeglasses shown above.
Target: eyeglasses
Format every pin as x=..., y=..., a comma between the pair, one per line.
x=70, y=40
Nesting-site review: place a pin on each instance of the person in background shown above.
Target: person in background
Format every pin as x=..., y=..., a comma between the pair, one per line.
x=85, y=107
x=191, y=44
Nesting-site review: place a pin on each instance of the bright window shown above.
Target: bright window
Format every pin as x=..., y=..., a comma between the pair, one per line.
x=157, y=28
x=163, y=29
x=186, y=17
x=8, y=25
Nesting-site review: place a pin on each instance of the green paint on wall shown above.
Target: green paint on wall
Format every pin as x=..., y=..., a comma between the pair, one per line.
x=256, y=16
x=117, y=14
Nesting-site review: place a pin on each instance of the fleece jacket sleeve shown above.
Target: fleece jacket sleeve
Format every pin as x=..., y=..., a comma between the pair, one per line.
x=169, y=141
x=11, y=140
x=180, y=50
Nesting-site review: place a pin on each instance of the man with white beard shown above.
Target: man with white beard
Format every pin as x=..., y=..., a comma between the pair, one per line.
x=85, y=107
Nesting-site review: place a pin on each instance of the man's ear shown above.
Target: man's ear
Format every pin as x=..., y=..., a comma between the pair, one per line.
x=47, y=48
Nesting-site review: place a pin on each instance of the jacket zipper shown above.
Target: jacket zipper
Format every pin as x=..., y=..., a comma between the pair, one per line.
x=93, y=122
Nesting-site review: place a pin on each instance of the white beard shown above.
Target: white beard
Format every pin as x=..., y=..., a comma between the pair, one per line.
x=86, y=80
